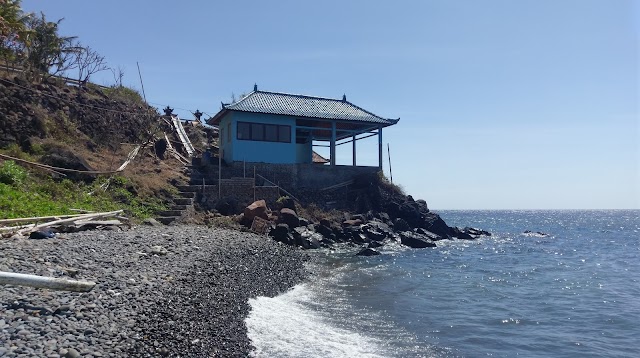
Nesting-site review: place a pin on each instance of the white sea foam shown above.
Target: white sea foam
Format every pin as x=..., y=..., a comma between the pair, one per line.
x=291, y=325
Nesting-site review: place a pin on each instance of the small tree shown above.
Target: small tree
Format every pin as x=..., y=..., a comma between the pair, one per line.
x=88, y=62
x=118, y=74
x=44, y=50
x=13, y=30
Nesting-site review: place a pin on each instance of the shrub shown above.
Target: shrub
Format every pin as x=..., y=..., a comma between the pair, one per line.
x=125, y=94
x=388, y=185
x=11, y=173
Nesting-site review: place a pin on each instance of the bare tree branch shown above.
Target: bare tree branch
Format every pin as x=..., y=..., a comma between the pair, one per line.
x=88, y=62
x=118, y=74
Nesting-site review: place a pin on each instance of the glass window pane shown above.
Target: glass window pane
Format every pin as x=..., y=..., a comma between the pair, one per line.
x=271, y=133
x=284, y=134
x=244, y=131
x=257, y=131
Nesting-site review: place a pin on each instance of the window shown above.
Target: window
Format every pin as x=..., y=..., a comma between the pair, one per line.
x=229, y=133
x=284, y=134
x=244, y=130
x=270, y=133
x=257, y=131
x=264, y=132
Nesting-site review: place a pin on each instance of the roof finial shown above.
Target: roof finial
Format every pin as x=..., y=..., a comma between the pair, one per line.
x=255, y=87
x=344, y=98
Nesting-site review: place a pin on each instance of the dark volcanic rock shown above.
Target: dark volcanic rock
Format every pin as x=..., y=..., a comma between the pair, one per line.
x=281, y=234
x=400, y=224
x=435, y=224
x=355, y=234
x=289, y=217
x=415, y=240
x=227, y=207
x=306, y=238
x=368, y=252
x=429, y=234
x=377, y=230
x=286, y=203
x=352, y=222
x=326, y=231
x=63, y=158
x=476, y=232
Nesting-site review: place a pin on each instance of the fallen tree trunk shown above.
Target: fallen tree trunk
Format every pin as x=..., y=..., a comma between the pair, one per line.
x=52, y=283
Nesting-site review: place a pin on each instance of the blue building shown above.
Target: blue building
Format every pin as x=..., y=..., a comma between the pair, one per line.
x=281, y=128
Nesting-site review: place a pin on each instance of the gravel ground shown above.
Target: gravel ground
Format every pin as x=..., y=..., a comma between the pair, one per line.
x=177, y=291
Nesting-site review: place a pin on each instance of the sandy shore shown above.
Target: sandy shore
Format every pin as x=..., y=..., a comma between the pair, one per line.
x=188, y=301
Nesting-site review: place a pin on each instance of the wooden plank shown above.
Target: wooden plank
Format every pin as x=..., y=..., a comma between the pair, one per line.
x=186, y=143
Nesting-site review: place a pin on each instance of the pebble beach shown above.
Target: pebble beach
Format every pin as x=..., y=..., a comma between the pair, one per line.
x=177, y=291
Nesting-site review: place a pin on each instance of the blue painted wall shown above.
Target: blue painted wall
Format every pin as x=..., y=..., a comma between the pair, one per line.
x=303, y=153
x=225, y=144
x=258, y=151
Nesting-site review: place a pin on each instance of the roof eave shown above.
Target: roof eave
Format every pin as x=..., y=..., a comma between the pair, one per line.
x=215, y=120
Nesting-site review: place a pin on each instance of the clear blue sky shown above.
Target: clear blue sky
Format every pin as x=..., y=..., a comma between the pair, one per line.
x=528, y=104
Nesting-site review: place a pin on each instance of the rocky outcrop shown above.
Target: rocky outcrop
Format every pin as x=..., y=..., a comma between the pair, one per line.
x=407, y=221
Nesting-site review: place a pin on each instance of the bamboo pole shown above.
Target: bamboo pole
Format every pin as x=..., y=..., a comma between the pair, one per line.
x=38, y=218
x=56, y=169
x=52, y=283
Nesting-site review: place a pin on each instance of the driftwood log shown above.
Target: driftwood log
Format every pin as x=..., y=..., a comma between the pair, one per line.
x=52, y=283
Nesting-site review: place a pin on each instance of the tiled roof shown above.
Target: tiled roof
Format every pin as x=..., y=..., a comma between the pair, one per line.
x=317, y=158
x=304, y=106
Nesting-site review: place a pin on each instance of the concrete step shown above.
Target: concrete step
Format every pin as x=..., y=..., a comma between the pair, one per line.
x=198, y=182
x=167, y=219
x=180, y=207
x=187, y=194
x=194, y=188
x=183, y=201
x=185, y=188
x=177, y=213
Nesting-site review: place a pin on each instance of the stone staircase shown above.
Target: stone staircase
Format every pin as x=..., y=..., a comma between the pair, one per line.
x=182, y=207
x=183, y=202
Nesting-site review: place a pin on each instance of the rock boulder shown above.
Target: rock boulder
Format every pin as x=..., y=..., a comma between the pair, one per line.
x=257, y=208
x=415, y=240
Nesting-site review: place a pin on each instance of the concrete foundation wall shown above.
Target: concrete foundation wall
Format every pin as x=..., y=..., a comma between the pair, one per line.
x=299, y=176
x=239, y=190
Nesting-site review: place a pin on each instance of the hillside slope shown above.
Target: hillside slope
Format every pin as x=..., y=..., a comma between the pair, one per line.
x=83, y=128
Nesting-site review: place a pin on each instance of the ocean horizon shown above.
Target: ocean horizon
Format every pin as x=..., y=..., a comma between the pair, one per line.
x=560, y=283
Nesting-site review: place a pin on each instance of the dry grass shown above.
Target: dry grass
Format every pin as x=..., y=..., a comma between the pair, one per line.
x=314, y=213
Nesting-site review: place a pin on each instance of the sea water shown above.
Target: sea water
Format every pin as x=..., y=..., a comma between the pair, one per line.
x=572, y=290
